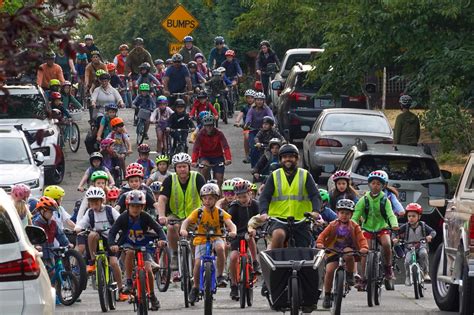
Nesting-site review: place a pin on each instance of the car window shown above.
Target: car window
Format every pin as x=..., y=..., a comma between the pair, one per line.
x=13, y=152
x=399, y=167
x=469, y=188
x=355, y=123
x=7, y=231
x=23, y=106
x=302, y=84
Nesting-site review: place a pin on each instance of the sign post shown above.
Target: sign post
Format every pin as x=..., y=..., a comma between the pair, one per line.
x=180, y=23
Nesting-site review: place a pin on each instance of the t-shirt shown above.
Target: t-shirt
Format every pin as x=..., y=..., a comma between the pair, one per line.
x=106, y=96
x=61, y=216
x=157, y=176
x=242, y=214
x=343, y=237
x=148, y=165
x=209, y=221
x=177, y=78
x=100, y=220
x=119, y=141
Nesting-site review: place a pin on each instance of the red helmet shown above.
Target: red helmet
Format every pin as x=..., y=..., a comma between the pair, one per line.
x=341, y=174
x=230, y=53
x=135, y=165
x=134, y=172
x=113, y=193
x=143, y=148
x=415, y=207
x=258, y=86
x=55, y=96
x=110, y=66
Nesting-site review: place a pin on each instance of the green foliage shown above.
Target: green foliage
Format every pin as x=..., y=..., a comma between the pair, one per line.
x=451, y=158
x=11, y=6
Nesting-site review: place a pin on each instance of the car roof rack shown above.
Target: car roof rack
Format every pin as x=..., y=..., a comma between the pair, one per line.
x=360, y=144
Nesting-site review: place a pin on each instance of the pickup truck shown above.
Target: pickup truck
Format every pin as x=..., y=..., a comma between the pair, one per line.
x=452, y=268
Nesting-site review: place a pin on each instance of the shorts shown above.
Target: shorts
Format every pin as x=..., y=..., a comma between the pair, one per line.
x=215, y=161
x=369, y=235
x=235, y=244
x=302, y=233
x=81, y=240
x=200, y=250
x=148, y=255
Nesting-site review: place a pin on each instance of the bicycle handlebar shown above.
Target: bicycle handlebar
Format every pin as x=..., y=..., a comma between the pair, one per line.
x=308, y=217
x=342, y=253
x=200, y=165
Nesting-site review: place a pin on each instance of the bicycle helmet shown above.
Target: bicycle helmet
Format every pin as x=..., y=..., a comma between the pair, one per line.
x=99, y=175
x=134, y=172
x=54, y=82
x=180, y=103
x=341, y=174
x=155, y=187
x=288, y=149
x=116, y=121
x=105, y=76
x=55, y=96
x=162, y=99
x=88, y=36
x=274, y=141
x=105, y=143
x=20, y=192
x=111, y=66
x=158, y=62
x=188, y=39
x=228, y=185
x=50, y=55
x=95, y=193
x=95, y=53
x=221, y=69
x=414, y=207
x=203, y=114
x=376, y=175
x=324, y=195
x=268, y=120
x=405, y=101
x=143, y=148
x=202, y=94
x=208, y=121
x=241, y=187
x=250, y=92
x=230, y=53
x=135, y=197
x=67, y=83
x=111, y=106
x=54, y=192
x=198, y=55
x=96, y=156
x=181, y=157
x=216, y=72
x=47, y=203
x=253, y=187
x=145, y=66
x=135, y=165
x=259, y=96
x=192, y=65
x=162, y=158
x=177, y=58
x=169, y=61
x=265, y=43
x=219, y=40
x=123, y=47
x=385, y=176
x=138, y=41
x=144, y=87
x=100, y=72
x=346, y=204
x=113, y=193
x=210, y=189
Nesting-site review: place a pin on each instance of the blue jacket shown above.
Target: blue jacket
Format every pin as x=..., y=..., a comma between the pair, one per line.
x=232, y=69
x=328, y=215
x=146, y=102
x=396, y=205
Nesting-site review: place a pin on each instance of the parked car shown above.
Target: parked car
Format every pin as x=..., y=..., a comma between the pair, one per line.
x=25, y=287
x=18, y=164
x=292, y=56
x=410, y=170
x=27, y=106
x=452, y=270
x=335, y=132
x=299, y=104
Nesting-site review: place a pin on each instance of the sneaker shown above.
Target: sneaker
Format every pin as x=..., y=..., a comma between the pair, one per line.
x=176, y=276
x=256, y=267
x=90, y=268
x=128, y=288
x=327, y=303
x=427, y=277
x=234, y=292
x=194, y=295
x=246, y=161
x=221, y=282
x=389, y=273
x=155, y=304
x=350, y=278
x=154, y=266
x=122, y=297
x=174, y=262
x=264, y=290
x=407, y=281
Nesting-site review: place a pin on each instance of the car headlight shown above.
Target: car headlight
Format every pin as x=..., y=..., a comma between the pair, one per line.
x=34, y=183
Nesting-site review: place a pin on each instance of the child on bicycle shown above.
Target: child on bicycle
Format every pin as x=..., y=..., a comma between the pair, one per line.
x=57, y=105
x=99, y=219
x=144, y=101
x=343, y=188
x=161, y=116
x=112, y=196
x=156, y=189
x=268, y=157
x=208, y=218
x=110, y=158
x=179, y=120
x=227, y=189
x=161, y=171
x=133, y=224
x=160, y=70
x=249, y=102
x=61, y=216
x=241, y=210
x=68, y=99
x=267, y=132
x=341, y=235
x=143, y=159
x=105, y=127
x=415, y=231
x=202, y=104
x=122, y=144
x=20, y=194
x=96, y=161
x=378, y=219
x=201, y=65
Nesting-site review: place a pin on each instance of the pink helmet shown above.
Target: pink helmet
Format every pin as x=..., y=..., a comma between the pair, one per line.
x=105, y=143
x=341, y=174
x=20, y=192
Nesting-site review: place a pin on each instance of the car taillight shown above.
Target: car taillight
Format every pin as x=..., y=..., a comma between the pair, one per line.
x=295, y=96
x=25, y=268
x=360, y=99
x=295, y=121
x=387, y=141
x=471, y=229
x=323, y=142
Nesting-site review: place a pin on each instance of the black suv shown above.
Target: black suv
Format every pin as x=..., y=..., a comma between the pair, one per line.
x=299, y=105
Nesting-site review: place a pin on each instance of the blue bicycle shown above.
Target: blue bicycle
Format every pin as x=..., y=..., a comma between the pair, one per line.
x=66, y=284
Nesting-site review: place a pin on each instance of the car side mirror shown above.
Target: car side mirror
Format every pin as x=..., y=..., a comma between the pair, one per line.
x=437, y=194
x=446, y=174
x=277, y=85
x=36, y=235
x=39, y=158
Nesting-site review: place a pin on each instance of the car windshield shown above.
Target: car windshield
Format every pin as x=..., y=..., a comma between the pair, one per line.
x=7, y=232
x=355, y=123
x=13, y=151
x=22, y=105
x=399, y=167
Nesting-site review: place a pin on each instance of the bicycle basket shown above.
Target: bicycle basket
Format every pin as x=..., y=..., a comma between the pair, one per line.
x=144, y=114
x=76, y=116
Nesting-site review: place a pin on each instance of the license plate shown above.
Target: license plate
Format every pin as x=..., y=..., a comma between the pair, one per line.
x=402, y=196
x=323, y=103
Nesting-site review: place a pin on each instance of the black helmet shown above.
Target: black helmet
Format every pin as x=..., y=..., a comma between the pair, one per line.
x=158, y=62
x=219, y=40
x=268, y=120
x=192, y=64
x=202, y=94
x=265, y=43
x=179, y=102
x=145, y=65
x=177, y=58
x=405, y=101
x=288, y=149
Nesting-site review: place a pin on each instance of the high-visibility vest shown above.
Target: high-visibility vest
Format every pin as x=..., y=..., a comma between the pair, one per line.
x=182, y=204
x=289, y=200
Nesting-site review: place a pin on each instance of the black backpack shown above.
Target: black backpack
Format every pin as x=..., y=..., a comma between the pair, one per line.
x=108, y=213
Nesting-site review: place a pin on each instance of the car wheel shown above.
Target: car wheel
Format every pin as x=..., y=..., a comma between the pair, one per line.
x=55, y=175
x=445, y=295
x=466, y=292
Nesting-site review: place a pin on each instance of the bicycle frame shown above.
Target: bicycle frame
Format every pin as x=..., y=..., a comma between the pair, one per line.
x=101, y=255
x=208, y=257
x=140, y=265
x=243, y=252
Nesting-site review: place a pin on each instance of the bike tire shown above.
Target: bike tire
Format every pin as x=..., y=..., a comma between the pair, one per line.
x=225, y=112
x=142, y=301
x=243, y=282
x=185, y=276
x=101, y=285
x=140, y=131
x=74, y=137
x=338, y=292
x=69, y=283
x=295, y=297
x=163, y=275
x=416, y=281
x=208, y=288
x=378, y=279
x=77, y=267
x=112, y=291
x=249, y=296
x=370, y=278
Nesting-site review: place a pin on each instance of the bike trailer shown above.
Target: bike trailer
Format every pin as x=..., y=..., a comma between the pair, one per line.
x=277, y=267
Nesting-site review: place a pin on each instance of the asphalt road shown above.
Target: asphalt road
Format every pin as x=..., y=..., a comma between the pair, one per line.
x=400, y=301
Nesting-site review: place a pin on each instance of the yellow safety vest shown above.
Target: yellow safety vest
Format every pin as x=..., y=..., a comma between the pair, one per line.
x=182, y=204
x=289, y=200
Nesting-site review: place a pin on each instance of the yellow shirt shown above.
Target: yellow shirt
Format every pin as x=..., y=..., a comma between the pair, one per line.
x=209, y=221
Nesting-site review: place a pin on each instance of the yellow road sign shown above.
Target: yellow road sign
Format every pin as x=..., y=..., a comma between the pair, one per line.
x=174, y=48
x=180, y=23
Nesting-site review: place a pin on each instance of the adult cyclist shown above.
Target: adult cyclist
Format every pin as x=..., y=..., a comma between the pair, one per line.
x=189, y=51
x=217, y=55
x=177, y=79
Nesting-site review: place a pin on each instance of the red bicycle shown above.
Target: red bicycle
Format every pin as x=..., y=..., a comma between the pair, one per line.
x=246, y=277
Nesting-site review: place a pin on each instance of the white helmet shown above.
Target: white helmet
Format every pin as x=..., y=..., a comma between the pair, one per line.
x=88, y=36
x=210, y=189
x=181, y=158
x=95, y=193
x=259, y=95
x=250, y=92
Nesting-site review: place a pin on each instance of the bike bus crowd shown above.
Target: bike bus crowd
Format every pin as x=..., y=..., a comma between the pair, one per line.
x=173, y=216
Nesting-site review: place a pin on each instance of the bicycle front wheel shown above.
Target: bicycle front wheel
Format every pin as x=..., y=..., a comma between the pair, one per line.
x=379, y=278
x=295, y=296
x=163, y=275
x=142, y=307
x=208, y=288
x=74, y=137
x=186, y=264
x=140, y=131
x=416, y=281
x=243, y=282
x=67, y=288
x=101, y=284
x=338, y=292
x=74, y=262
x=370, y=278
x=112, y=291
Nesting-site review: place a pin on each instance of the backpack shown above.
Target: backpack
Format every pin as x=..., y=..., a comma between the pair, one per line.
x=108, y=213
x=423, y=230
x=383, y=211
x=221, y=217
x=75, y=211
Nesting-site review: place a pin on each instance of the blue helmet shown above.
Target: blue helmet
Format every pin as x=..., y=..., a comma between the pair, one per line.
x=111, y=106
x=162, y=99
x=203, y=114
x=188, y=39
x=377, y=175
x=155, y=187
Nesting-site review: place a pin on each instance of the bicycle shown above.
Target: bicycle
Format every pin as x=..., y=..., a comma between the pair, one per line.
x=222, y=108
x=104, y=277
x=374, y=271
x=67, y=286
x=163, y=273
x=416, y=273
x=69, y=132
x=180, y=143
x=143, y=118
x=176, y=96
x=75, y=262
x=246, y=277
x=204, y=170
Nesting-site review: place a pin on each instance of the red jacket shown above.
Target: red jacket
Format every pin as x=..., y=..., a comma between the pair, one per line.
x=199, y=107
x=120, y=64
x=211, y=146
